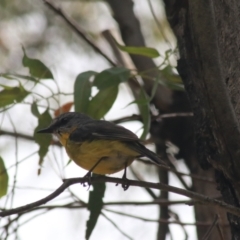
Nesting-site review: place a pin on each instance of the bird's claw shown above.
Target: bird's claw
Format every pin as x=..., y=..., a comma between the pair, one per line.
x=88, y=180
x=125, y=184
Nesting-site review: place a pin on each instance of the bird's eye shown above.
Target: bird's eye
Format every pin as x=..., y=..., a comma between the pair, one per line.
x=59, y=132
x=64, y=120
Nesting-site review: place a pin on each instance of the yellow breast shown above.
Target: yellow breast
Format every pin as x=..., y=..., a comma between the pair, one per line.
x=63, y=137
x=115, y=155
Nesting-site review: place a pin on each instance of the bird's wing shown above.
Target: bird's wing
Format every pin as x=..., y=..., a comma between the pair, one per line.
x=102, y=130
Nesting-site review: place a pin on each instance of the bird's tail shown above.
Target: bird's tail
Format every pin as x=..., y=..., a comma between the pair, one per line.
x=153, y=156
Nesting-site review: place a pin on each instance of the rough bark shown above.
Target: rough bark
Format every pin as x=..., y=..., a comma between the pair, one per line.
x=208, y=34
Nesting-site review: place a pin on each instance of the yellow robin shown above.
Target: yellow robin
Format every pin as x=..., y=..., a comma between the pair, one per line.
x=98, y=146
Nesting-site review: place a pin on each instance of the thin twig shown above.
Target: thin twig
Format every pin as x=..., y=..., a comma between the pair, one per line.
x=159, y=25
x=16, y=160
x=159, y=117
x=71, y=23
x=139, y=178
x=166, y=221
x=157, y=201
x=220, y=231
x=81, y=204
x=174, y=115
x=195, y=176
x=26, y=221
x=178, y=175
x=177, y=218
x=111, y=41
x=15, y=134
x=209, y=231
x=116, y=226
x=25, y=136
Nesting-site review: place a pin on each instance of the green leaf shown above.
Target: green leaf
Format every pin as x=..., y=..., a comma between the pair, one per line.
x=143, y=51
x=43, y=140
x=36, y=67
x=34, y=110
x=102, y=102
x=139, y=101
x=145, y=112
x=172, y=80
x=95, y=204
x=111, y=77
x=82, y=91
x=107, y=82
x=3, y=178
x=11, y=95
x=154, y=89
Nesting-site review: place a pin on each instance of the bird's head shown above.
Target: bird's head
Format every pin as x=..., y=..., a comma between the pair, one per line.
x=65, y=123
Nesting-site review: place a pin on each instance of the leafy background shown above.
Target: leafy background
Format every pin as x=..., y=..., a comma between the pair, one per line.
x=45, y=68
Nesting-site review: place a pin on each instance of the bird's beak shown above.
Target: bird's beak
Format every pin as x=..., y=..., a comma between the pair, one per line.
x=46, y=130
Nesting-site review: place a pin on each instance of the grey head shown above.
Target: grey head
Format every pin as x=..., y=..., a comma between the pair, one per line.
x=65, y=122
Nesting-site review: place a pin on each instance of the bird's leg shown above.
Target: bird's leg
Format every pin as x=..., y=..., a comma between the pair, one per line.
x=89, y=173
x=125, y=184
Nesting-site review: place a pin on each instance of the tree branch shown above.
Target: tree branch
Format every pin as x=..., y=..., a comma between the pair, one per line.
x=101, y=179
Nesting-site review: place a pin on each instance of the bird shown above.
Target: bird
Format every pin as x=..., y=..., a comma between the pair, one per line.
x=99, y=146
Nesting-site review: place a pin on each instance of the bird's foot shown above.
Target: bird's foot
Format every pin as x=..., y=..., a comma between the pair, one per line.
x=88, y=180
x=125, y=182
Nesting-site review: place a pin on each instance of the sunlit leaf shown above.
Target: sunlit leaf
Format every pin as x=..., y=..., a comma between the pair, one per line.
x=82, y=91
x=63, y=109
x=36, y=67
x=111, y=77
x=10, y=95
x=102, y=102
x=95, y=204
x=43, y=140
x=143, y=51
x=3, y=178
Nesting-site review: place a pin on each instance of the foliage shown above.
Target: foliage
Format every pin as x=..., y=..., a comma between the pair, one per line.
x=3, y=178
x=96, y=105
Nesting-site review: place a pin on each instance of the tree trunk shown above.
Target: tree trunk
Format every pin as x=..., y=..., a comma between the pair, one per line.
x=208, y=38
